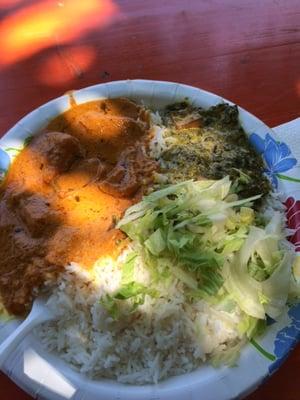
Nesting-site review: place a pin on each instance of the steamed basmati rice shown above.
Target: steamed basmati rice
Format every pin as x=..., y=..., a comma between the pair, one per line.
x=164, y=337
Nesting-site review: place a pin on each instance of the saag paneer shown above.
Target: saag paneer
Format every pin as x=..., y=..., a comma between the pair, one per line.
x=211, y=144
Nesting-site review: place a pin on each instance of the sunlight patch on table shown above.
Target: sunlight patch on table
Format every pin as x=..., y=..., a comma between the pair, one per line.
x=66, y=65
x=48, y=24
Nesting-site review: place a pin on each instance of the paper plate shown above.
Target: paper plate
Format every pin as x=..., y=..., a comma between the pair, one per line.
x=45, y=376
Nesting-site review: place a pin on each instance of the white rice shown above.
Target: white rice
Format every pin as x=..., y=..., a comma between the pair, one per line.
x=164, y=337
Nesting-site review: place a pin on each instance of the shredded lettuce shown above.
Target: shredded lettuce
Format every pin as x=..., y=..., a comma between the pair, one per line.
x=156, y=243
x=194, y=226
x=248, y=328
x=128, y=268
x=229, y=355
x=129, y=289
x=110, y=305
x=294, y=292
x=201, y=235
x=259, y=275
x=134, y=292
x=276, y=287
x=251, y=327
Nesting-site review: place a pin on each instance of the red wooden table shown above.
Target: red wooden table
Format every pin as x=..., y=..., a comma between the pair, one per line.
x=245, y=50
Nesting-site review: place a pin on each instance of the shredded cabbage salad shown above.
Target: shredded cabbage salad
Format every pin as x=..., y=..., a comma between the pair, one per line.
x=219, y=247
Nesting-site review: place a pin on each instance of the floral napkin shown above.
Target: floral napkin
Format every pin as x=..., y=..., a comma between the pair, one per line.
x=289, y=134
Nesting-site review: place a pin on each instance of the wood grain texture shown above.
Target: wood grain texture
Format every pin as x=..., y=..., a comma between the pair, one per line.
x=245, y=50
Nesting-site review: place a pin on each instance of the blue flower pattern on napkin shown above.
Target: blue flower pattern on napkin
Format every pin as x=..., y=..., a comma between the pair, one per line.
x=286, y=338
x=278, y=158
x=276, y=155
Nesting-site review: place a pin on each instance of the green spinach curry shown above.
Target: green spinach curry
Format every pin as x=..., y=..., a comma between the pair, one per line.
x=211, y=144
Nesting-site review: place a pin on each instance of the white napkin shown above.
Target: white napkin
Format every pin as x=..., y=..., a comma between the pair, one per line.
x=290, y=134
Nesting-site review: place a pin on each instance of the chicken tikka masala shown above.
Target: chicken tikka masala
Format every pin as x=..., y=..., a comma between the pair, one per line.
x=65, y=191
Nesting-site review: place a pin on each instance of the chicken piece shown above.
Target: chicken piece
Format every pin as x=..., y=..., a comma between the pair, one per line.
x=56, y=151
x=123, y=107
x=47, y=155
x=37, y=214
x=105, y=136
x=125, y=179
x=59, y=149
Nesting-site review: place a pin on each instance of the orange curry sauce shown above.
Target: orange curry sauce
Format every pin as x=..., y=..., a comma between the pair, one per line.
x=64, y=192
